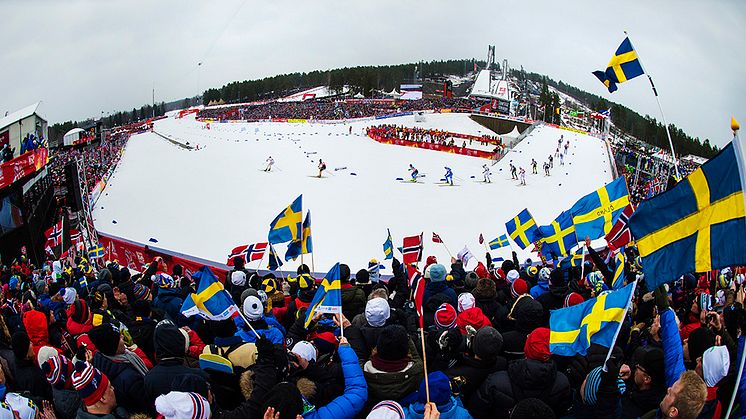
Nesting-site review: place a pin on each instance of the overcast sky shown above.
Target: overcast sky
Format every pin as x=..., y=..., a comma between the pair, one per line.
x=84, y=57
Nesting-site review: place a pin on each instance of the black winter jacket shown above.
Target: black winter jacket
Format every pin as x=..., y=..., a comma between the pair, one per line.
x=129, y=386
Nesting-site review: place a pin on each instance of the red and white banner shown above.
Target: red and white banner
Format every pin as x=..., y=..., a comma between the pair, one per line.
x=432, y=146
x=22, y=166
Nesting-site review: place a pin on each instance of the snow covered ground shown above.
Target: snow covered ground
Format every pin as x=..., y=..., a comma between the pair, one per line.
x=205, y=202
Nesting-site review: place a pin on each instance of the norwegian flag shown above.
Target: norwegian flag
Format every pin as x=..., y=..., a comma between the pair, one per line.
x=54, y=235
x=412, y=249
x=481, y=238
x=256, y=251
x=75, y=236
x=417, y=285
x=239, y=251
x=111, y=251
x=619, y=235
x=436, y=238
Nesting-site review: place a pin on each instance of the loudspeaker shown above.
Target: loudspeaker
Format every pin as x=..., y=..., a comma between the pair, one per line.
x=74, y=200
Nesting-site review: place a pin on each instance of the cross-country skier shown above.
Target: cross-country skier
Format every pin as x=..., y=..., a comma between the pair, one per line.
x=414, y=171
x=522, y=174
x=513, y=172
x=546, y=169
x=449, y=175
x=533, y=166
x=270, y=161
x=562, y=159
x=551, y=161
x=322, y=167
x=486, y=173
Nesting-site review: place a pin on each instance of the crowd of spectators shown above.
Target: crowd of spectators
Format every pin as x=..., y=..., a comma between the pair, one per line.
x=107, y=341
x=326, y=109
x=98, y=159
x=434, y=136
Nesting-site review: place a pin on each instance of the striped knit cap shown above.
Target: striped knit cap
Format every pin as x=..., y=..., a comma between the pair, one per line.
x=89, y=382
x=572, y=299
x=58, y=370
x=141, y=292
x=181, y=405
x=593, y=381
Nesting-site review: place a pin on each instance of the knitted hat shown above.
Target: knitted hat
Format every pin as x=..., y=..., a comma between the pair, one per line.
x=465, y=301
x=592, y=383
x=513, y=275
x=325, y=342
x=305, y=281
x=141, y=292
x=106, y=338
x=573, y=299
x=374, y=270
x=305, y=350
x=58, y=370
x=652, y=362
x=238, y=278
x=89, y=382
x=25, y=407
x=518, y=287
x=252, y=308
x=44, y=353
x=485, y=289
x=362, y=276
x=440, y=389
x=247, y=292
x=377, y=311
x=180, y=405
x=701, y=339
x=163, y=280
x=531, y=271
x=481, y=271
x=437, y=273
x=537, y=345
x=544, y=274
x=715, y=364
x=487, y=343
x=445, y=316
x=392, y=343
x=387, y=409
x=269, y=286
x=344, y=273
x=69, y=295
x=431, y=260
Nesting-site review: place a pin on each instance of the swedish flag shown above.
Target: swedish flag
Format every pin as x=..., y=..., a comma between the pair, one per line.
x=522, y=228
x=274, y=261
x=595, y=214
x=624, y=65
x=574, y=260
x=96, y=251
x=286, y=226
x=621, y=260
x=499, y=242
x=211, y=302
x=696, y=226
x=388, y=246
x=328, y=298
x=573, y=329
x=304, y=246
x=558, y=237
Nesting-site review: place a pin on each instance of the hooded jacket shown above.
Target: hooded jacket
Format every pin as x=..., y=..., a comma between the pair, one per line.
x=36, y=326
x=433, y=288
x=393, y=385
x=353, y=301
x=525, y=378
x=355, y=394
x=170, y=351
x=473, y=317
x=169, y=301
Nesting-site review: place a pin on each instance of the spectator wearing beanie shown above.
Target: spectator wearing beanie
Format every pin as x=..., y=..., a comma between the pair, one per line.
x=445, y=317
x=362, y=281
x=96, y=393
x=306, y=289
x=171, y=346
x=79, y=319
x=573, y=299
x=181, y=405
x=485, y=295
x=377, y=314
x=481, y=360
x=27, y=373
x=169, y=299
x=353, y=298
x=253, y=311
x=555, y=298
x=440, y=394
x=124, y=368
x=395, y=368
x=143, y=328
x=534, y=376
x=469, y=314
x=438, y=285
x=36, y=324
x=236, y=281
x=542, y=285
x=647, y=386
x=59, y=370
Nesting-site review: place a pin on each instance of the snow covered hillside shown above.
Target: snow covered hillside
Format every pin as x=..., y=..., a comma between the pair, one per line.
x=205, y=202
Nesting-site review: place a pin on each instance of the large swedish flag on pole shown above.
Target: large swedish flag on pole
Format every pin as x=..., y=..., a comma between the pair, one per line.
x=211, y=302
x=696, y=226
x=521, y=228
x=574, y=260
x=558, y=237
x=328, y=298
x=621, y=260
x=499, y=242
x=304, y=246
x=624, y=65
x=573, y=329
x=286, y=226
x=595, y=214
x=388, y=246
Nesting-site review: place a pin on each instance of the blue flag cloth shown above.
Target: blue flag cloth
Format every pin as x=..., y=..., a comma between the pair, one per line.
x=595, y=214
x=696, y=226
x=328, y=298
x=304, y=246
x=274, y=260
x=558, y=237
x=96, y=251
x=211, y=302
x=499, y=242
x=624, y=65
x=621, y=260
x=286, y=226
x=574, y=260
x=522, y=228
x=598, y=320
x=388, y=246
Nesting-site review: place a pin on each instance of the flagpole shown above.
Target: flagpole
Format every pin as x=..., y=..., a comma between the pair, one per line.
x=247, y=323
x=313, y=267
x=660, y=108
x=582, y=264
x=424, y=361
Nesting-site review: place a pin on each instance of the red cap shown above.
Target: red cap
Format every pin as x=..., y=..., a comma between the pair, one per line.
x=537, y=345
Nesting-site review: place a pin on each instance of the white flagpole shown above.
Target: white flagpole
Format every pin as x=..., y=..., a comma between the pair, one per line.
x=660, y=108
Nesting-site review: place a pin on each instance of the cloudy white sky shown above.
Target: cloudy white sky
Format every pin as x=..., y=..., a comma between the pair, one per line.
x=84, y=57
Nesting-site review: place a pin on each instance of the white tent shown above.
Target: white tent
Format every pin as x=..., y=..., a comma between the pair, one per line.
x=512, y=134
x=71, y=137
